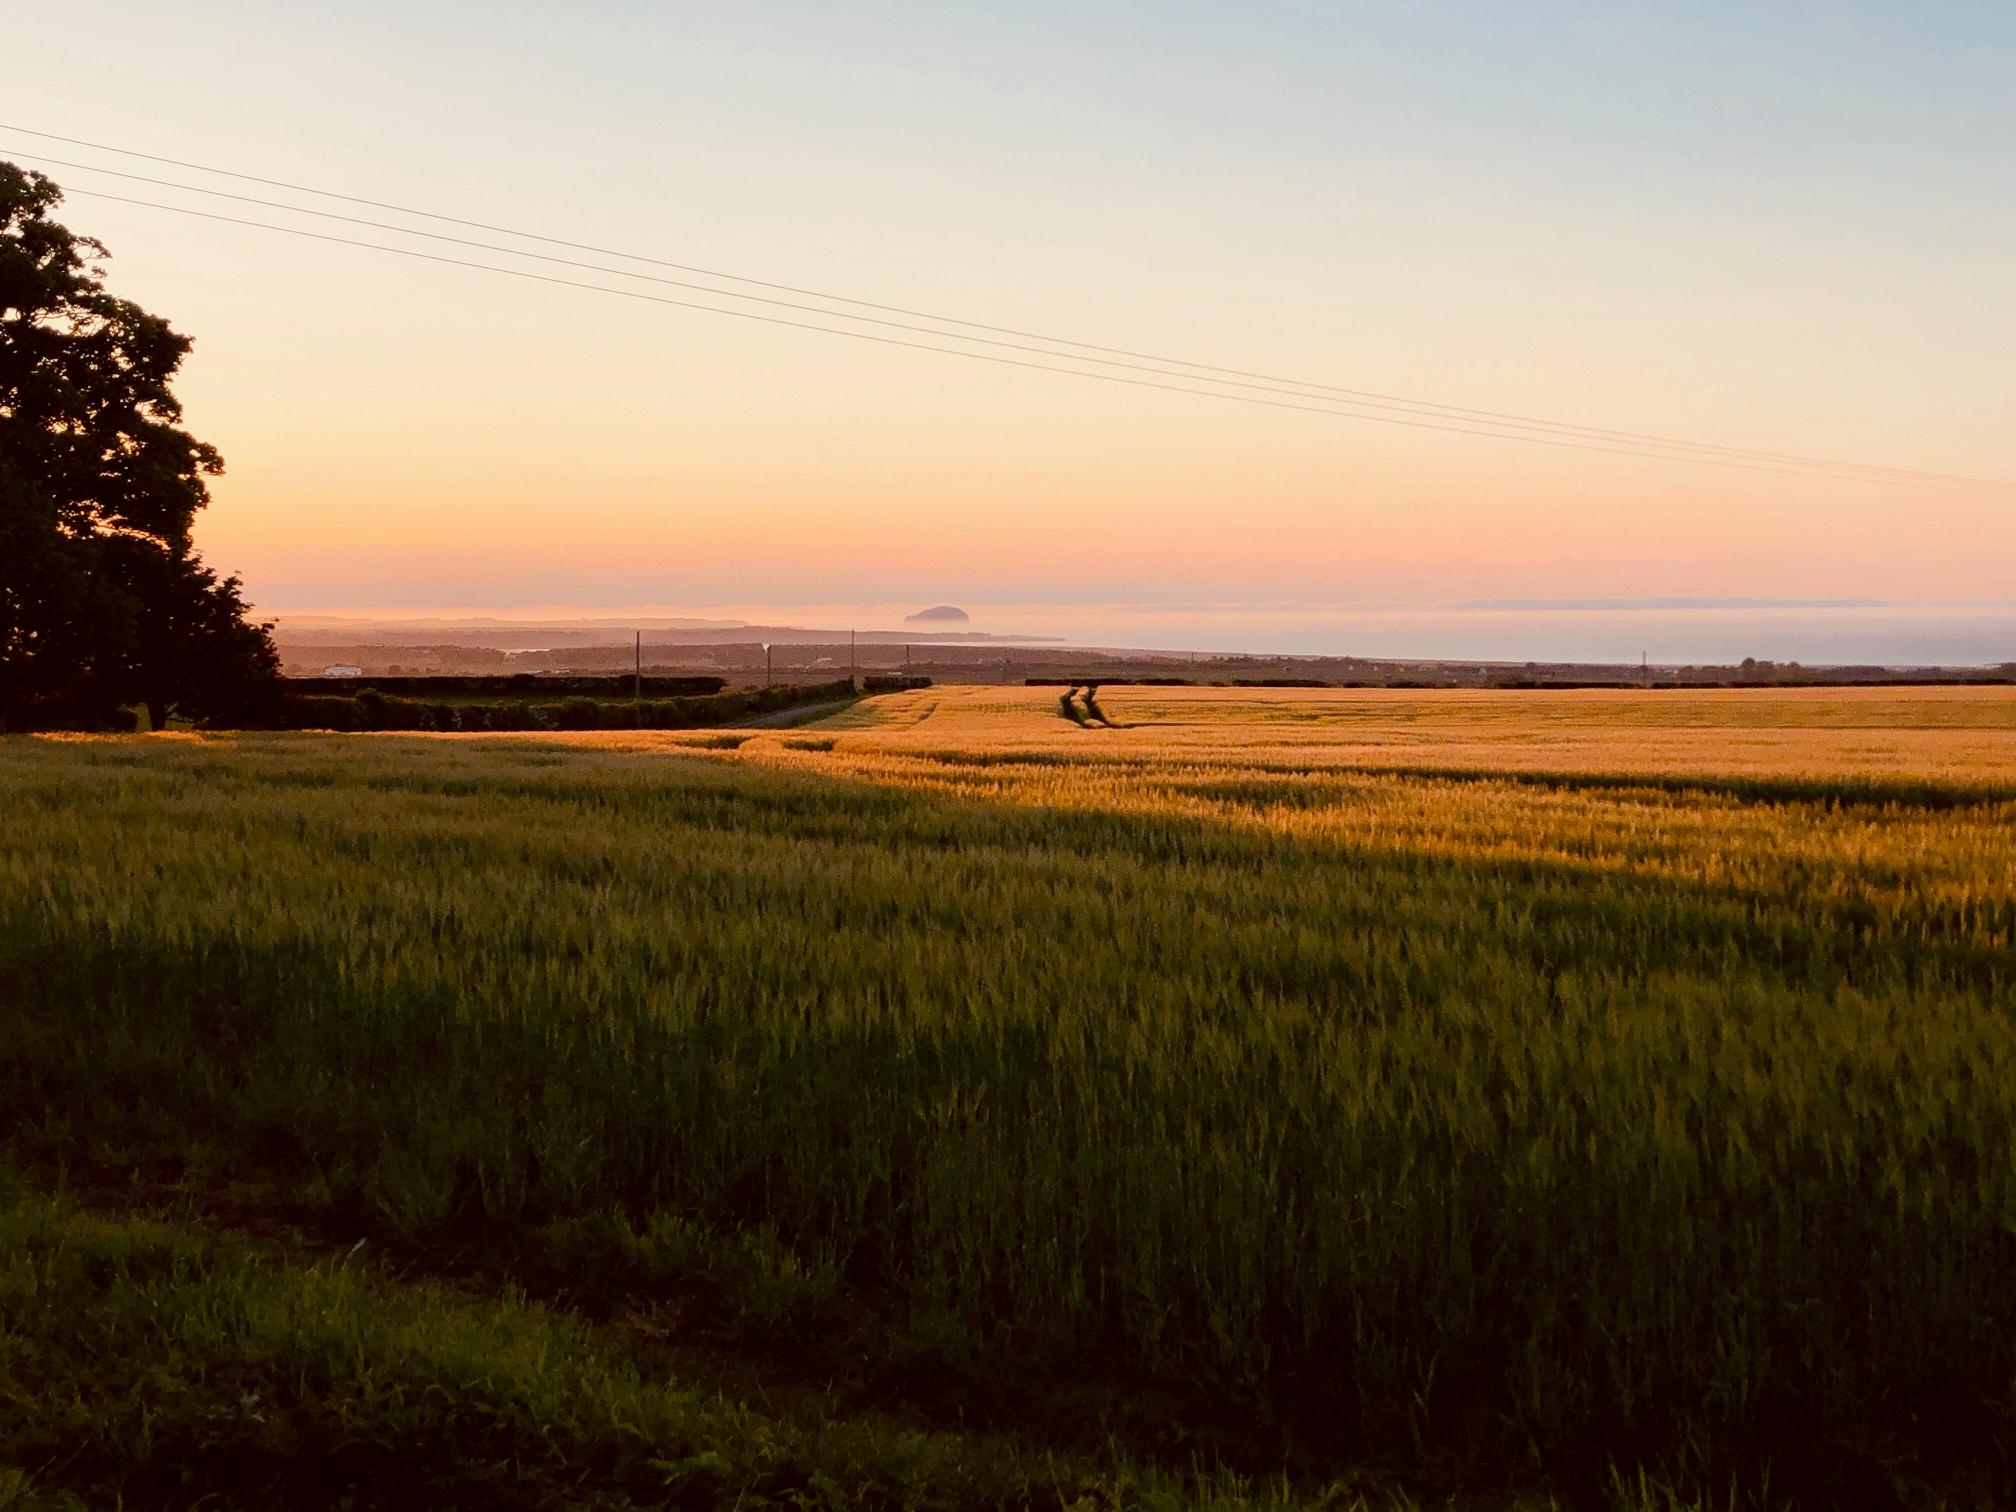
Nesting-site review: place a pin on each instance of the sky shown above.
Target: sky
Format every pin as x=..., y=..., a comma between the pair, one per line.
x=1784, y=226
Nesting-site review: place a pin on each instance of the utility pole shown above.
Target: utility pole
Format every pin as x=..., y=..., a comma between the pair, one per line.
x=637, y=687
x=852, y=675
x=766, y=664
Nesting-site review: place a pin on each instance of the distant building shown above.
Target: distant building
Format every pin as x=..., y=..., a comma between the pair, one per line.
x=342, y=670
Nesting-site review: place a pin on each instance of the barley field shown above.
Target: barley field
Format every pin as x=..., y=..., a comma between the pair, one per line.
x=1606, y=1096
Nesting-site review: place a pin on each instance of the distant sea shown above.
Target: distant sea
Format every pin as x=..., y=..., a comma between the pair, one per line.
x=1817, y=634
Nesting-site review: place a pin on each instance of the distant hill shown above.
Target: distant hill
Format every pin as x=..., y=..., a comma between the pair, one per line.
x=306, y=631
x=938, y=614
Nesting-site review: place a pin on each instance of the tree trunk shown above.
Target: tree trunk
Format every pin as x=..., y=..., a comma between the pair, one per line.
x=157, y=715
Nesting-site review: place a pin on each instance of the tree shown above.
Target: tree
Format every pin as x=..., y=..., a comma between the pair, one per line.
x=103, y=599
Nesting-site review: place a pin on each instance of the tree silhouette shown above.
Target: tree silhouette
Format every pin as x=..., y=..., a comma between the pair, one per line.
x=103, y=599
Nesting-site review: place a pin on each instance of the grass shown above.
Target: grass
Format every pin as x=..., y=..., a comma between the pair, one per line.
x=274, y=1378
x=277, y=1376
x=1585, y=1093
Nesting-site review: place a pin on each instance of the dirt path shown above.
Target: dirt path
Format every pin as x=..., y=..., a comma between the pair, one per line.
x=785, y=719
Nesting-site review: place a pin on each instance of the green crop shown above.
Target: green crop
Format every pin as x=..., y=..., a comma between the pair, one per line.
x=1535, y=1087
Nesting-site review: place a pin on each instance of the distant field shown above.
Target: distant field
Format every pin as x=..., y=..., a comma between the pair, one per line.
x=1584, y=1092
x=1961, y=734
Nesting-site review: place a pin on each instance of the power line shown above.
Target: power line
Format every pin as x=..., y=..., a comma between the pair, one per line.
x=1862, y=471
x=1500, y=420
x=1302, y=392
x=777, y=320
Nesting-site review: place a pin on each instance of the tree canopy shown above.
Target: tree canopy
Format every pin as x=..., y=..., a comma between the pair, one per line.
x=104, y=601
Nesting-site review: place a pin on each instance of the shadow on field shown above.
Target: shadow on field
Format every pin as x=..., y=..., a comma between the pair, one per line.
x=1303, y=785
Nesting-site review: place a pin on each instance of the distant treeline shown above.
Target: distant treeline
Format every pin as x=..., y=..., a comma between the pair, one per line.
x=374, y=709
x=516, y=685
x=1986, y=680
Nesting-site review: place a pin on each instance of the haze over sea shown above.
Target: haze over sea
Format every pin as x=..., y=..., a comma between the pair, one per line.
x=1669, y=631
